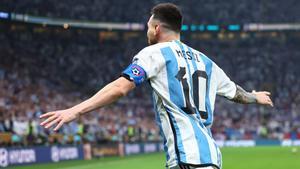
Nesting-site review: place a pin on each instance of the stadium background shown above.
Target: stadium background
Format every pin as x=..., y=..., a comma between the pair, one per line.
x=54, y=54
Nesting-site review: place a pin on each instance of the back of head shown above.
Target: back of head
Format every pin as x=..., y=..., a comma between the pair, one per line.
x=169, y=14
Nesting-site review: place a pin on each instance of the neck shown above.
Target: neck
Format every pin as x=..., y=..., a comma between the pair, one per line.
x=169, y=36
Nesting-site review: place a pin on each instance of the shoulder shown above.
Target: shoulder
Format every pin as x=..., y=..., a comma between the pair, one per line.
x=201, y=55
x=205, y=58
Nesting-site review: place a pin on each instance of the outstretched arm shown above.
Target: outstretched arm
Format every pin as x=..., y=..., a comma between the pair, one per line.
x=244, y=97
x=107, y=95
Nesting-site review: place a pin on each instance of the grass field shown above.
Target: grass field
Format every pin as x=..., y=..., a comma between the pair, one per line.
x=233, y=158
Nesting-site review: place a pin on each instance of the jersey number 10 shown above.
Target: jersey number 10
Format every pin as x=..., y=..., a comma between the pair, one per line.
x=186, y=90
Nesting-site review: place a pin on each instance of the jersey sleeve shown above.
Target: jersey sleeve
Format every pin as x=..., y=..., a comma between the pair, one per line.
x=144, y=66
x=225, y=87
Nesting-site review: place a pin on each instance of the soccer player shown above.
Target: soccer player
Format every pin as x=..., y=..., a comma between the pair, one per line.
x=184, y=82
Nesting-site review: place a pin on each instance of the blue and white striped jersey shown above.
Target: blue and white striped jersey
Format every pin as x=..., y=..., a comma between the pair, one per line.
x=185, y=83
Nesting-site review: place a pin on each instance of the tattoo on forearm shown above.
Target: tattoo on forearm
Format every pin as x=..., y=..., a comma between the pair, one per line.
x=243, y=97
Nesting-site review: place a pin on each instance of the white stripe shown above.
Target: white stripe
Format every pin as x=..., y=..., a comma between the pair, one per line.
x=213, y=87
x=162, y=84
x=167, y=130
x=180, y=63
x=201, y=88
x=192, y=70
x=187, y=136
x=186, y=128
x=189, y=72
x=202, y=93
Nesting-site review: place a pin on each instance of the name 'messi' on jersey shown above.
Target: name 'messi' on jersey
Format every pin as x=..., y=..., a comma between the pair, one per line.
x=188, y=55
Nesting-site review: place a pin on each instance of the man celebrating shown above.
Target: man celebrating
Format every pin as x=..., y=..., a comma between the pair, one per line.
x=185, y=83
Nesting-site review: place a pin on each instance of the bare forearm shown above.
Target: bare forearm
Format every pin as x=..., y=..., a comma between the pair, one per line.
x=243, y=96
x=105, y=96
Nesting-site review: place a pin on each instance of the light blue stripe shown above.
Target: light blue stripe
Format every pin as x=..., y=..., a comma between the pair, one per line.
x=176, y=95
x=196, y=130
x=203, y=145
x=193, y=58
x=188, y=65
x=208, y=67
x=202, y=142
x=181, y=151
x=158, y=121
x=175, y=89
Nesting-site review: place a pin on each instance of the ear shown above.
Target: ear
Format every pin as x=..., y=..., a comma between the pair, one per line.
x=157, y=30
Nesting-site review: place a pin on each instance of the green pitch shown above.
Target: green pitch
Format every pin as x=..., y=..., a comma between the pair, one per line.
x=233, y=158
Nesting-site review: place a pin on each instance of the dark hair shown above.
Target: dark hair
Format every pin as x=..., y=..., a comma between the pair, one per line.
x=169, y=14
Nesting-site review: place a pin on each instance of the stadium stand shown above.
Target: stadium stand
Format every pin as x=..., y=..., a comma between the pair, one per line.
x=206, y=12
x=49, y=68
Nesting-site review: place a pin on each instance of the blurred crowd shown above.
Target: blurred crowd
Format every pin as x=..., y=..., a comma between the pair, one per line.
x=45, y=69
x=22, y=101
x=269, y=64
x=48, y=70
x=195, y=11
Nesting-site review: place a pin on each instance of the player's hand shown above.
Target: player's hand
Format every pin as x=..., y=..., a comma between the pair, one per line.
x=58, y=118
x=263, y=97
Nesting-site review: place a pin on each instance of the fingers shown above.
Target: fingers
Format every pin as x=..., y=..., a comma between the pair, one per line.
x=52, y=123
x=262, y=92
x=59, y=125
x=47, y=115
x=271, y=103
x=264, y=98
x=267, y=99
x=48, y=120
